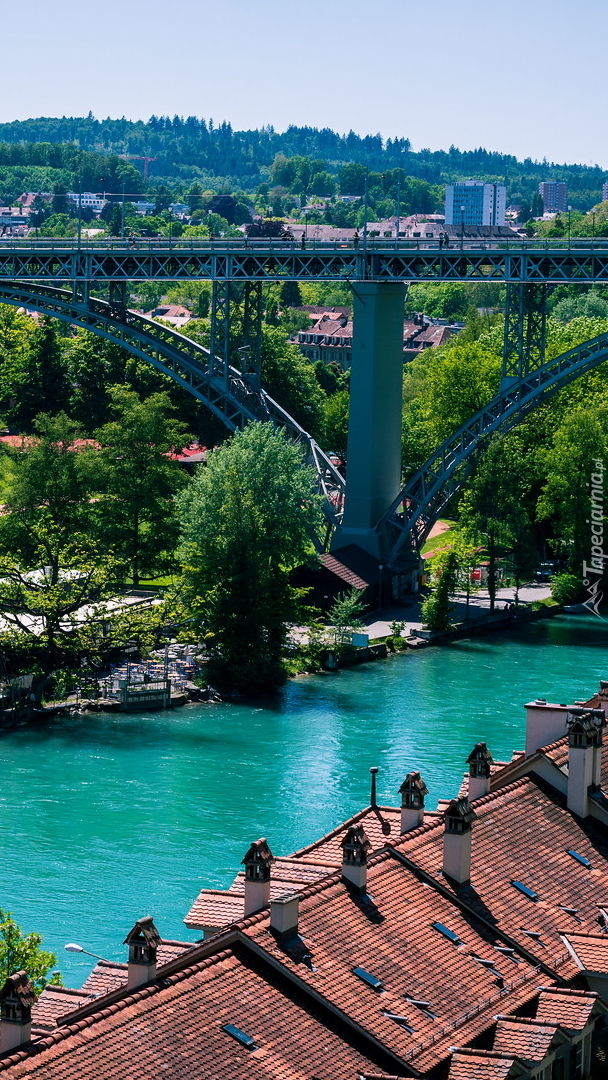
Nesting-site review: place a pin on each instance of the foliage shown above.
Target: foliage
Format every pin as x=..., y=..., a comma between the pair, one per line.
x=22, y=952
x=567, y=588
x=136, y=478
x=581, y=438
x=437, y=607
x=290, y=380
x=247, y=520
x=335, y=410
x=345, y=616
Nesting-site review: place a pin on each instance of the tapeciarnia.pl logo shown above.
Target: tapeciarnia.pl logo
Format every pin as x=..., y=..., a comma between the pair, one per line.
x=594, y=569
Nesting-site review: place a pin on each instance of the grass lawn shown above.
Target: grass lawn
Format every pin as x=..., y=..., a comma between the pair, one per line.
x=442, y=540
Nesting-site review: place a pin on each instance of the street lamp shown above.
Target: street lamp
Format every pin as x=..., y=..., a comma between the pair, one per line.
x=462, y=209
x=569, y=212
x=72, y=947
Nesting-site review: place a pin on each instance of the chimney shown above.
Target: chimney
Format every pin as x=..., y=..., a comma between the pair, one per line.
x=459, y=818
x=412, y=791
x=355, y=847
x=143, y=941
x=545, y=723
x=284, y=913
x=479, y=762
x=16, y=999
x=258, y=860
x=584, y=757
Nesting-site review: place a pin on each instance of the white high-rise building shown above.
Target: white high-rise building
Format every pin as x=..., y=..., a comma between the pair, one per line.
x=471, y=202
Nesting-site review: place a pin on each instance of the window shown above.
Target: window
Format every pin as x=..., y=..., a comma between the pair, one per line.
x=401, y=1020
x=245, y=1040
x=369, y=980
x=424, y=1006
x=524, y=889
x=449, y=934
x=579, y=858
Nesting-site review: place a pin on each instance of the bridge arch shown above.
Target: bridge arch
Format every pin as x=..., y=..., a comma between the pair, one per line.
x=410, y=517
x=229, y=397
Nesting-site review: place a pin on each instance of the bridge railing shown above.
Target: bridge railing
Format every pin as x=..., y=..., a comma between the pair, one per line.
x=373, y=243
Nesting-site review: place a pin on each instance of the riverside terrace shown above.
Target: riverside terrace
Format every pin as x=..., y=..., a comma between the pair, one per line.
x=514, y=260
x=466, y=943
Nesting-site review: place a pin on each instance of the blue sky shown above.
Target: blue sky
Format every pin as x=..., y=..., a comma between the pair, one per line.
x=520, y=76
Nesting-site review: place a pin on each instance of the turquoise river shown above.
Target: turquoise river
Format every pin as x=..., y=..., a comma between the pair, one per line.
x=109, y=817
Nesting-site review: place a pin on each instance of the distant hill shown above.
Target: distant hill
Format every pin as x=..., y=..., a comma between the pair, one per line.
x=197, y=149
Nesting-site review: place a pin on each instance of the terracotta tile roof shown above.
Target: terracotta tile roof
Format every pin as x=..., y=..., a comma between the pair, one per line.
x=214, y=908
x=570, y=1009
x=523, y=1038
x=106, y=977
x=382, y=825
x=589, y=950
x=480, y=1065
x=523, y=834
x=337, y=567
x=175, y=1029
x=390, y=935
x=55, y=1001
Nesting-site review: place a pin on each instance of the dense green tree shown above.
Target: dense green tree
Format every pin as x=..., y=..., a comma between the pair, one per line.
x=290, y=380
x=569, y=462
x=50, y=563
x=438, y=606
x=498, y=508
x=22, y=952
x=47, y=388
x=247, y=521
x=291, y=294
x=137, y=480
x=335, y=412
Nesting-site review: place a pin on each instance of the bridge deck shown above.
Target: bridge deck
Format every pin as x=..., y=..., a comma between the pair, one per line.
x=580, y=261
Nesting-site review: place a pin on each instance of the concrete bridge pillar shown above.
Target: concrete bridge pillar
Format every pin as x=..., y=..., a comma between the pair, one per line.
x=374, y=427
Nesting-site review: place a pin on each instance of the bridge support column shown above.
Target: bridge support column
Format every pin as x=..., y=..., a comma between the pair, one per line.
x=219, y=342
x=374, y=428
x=525, y=330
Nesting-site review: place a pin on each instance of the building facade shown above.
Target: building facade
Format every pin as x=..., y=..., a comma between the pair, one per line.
x=471, y=202
x=554, y=195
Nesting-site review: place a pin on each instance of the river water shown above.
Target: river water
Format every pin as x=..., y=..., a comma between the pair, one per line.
x=109, y=817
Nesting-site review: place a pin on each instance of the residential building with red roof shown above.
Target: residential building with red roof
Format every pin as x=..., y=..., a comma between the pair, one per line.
x=330, y=336
x=464, y=943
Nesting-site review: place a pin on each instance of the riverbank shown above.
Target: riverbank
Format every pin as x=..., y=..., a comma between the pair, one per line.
x=131, y=813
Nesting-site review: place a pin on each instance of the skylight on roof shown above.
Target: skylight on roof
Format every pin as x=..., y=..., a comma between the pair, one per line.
x=579, y=858
x=451, y=936
x=245, y=1040
x=533, y=934
x=524, y=889
x=401, y=1020
x=369, y=980
x=507, y=951
x=424, y=1006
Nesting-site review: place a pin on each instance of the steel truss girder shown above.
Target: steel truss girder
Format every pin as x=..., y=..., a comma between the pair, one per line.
x=189, y=365
x=582, y=261
x=411, y=516
x=525, y=329
x=219, y=341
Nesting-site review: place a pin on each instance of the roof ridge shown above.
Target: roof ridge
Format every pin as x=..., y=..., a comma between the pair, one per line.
x=475, y=1052
x=130, y=998
x=527, y=1021
x=330, y=834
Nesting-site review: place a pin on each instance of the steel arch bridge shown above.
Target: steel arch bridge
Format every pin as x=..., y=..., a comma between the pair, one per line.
x=500, y=259
x=229, y=395
x=409, y=519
